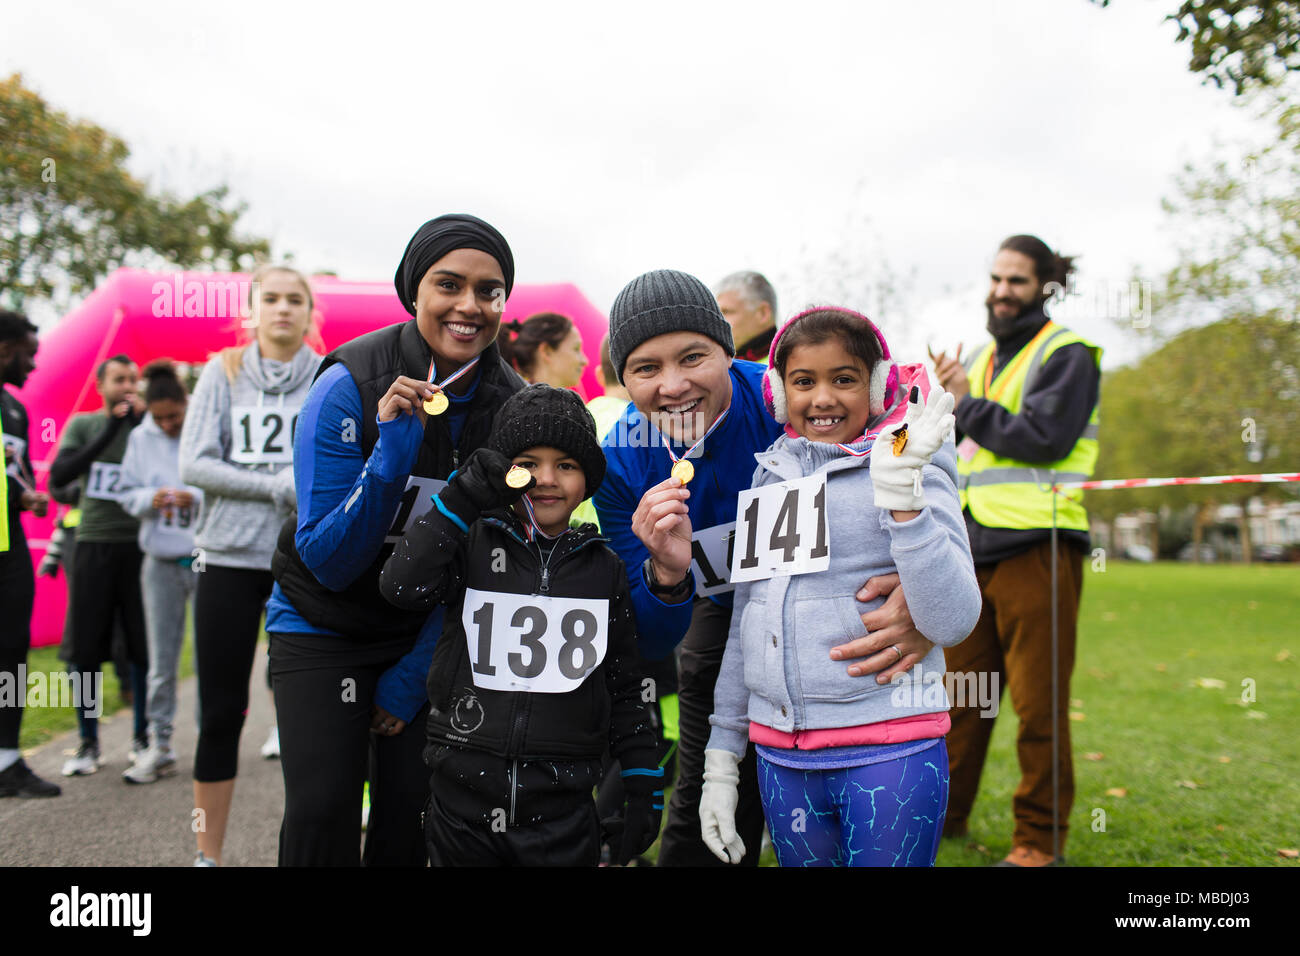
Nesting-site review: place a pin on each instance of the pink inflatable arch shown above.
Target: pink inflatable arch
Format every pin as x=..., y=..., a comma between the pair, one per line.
x=186, y=316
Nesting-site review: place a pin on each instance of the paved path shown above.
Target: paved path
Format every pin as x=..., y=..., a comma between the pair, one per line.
x=101, y=820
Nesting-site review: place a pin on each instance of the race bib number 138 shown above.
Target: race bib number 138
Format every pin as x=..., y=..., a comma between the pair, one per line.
x=535, y=644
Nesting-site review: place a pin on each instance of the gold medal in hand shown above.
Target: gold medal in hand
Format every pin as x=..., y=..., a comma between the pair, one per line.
x=436, y=403
x=683, y=471
x=517, y=477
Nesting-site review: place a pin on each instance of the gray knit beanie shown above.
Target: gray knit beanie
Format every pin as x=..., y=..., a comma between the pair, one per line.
x=660, y=302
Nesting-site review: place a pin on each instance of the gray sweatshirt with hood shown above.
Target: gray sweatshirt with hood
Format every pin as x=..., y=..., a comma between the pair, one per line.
x=253, y=417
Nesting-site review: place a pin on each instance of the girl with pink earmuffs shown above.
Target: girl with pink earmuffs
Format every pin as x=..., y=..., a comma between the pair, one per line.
x=862, y=483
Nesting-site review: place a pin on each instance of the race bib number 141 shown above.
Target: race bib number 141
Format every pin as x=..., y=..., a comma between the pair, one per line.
x=781, y=529
x=535, y=644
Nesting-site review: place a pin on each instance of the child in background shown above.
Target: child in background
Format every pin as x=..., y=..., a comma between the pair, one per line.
x=851, y=772
x=168, y=511
x=536, y=671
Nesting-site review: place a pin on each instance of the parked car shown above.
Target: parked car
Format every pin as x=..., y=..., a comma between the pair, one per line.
x=1270, y=552
x=1139, y=552
x=1207, y=553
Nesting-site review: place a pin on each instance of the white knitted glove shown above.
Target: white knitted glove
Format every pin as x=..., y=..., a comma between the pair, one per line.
x=718, y=805
x=897, y=478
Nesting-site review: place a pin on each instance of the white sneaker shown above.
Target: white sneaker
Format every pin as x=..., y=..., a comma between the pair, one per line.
x=138, y=747
x=202, y=860
x=271, y=749
x=151, y=765
x=86, y=761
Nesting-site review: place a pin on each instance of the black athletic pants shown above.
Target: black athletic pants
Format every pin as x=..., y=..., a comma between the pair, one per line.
x=698, y=668
x=324, y=690
x=228, y=606
x=17, y=592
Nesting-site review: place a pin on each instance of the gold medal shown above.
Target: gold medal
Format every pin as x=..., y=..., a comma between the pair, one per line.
x=517, y=477
x=683, y=471
x=436, y=403
x=900, y=440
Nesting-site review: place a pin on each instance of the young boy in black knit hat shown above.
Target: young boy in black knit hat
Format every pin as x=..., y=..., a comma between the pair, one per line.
x=536, y=671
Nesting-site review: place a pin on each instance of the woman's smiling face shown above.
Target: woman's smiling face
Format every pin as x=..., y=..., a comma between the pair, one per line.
x=458, y=306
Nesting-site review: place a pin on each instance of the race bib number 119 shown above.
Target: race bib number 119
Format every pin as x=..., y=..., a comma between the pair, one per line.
x=535, y=644
x=781, y=529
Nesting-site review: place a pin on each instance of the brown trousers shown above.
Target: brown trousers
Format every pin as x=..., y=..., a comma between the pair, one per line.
x=1013, y=640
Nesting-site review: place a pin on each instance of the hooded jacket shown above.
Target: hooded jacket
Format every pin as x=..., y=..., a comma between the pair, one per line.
x=777, y=670
x=244, y=503
x=435, y=562
x=152, y=462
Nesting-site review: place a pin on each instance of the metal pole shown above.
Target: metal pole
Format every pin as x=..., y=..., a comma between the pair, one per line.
x=1056, y=696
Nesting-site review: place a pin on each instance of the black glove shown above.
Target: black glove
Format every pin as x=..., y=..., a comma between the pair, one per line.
x=631, y=835
x=480, y=485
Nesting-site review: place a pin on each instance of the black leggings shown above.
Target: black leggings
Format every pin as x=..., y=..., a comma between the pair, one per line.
x=324, y=691
x=228, y=606
x=17, y=590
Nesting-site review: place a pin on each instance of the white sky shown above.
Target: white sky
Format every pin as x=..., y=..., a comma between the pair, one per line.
x=825, y=144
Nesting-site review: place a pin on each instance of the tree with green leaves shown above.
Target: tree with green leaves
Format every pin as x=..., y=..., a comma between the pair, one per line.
x=1240, y=45
x=71, y=212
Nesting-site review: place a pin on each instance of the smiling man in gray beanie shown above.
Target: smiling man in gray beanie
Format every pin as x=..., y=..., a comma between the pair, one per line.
x=673, y=351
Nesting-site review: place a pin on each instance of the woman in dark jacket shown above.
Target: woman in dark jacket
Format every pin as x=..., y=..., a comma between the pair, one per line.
x=390, y=416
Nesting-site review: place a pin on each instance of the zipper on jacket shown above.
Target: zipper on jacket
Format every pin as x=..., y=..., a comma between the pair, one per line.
x=514, y=786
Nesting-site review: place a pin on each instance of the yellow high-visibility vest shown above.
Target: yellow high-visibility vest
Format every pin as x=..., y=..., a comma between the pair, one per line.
x=1007, y=493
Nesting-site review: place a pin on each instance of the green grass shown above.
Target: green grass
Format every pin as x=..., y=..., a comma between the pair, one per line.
x=41, y=724
x=1147, y=635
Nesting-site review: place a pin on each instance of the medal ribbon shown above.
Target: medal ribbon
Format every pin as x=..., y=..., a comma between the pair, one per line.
x=535, y=529
x=463, y=370
x=687, y=454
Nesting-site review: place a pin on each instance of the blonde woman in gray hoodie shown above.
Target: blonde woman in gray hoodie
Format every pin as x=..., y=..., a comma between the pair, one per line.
x=237, y=445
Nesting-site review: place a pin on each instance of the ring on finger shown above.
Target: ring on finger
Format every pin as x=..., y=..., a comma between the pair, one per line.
x=897, y=651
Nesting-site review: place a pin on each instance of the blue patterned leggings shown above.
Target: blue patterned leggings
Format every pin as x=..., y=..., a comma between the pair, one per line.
x=882, y=814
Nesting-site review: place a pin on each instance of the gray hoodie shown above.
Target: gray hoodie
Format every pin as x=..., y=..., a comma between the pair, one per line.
x=777, y=669
x=237, y=446
x=151, y=462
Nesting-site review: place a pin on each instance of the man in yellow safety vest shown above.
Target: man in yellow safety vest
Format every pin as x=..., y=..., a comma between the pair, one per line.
x=1026, y=415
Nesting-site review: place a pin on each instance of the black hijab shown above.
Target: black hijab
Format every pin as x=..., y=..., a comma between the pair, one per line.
x=436, y=238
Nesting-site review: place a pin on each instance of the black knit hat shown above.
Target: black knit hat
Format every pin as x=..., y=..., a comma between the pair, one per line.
x=660, y=302
x=556, y=418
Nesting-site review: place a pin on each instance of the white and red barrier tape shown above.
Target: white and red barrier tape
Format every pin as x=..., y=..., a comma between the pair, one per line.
x=1156, y=482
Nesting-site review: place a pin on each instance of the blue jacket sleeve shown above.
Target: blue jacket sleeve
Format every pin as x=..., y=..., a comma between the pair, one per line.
x=660, y=627
x=346, y=502
x=401, y=689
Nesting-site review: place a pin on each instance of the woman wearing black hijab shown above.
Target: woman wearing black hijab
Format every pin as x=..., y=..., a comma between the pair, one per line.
x=390, y=416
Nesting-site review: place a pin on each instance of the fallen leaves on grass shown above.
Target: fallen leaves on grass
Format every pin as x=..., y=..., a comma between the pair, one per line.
x=1161, y=668
x=1094, y=755
x=1212, y=683
x=1283, y=655
x=1078, y=715
x=1225, y=760
x=1109, y=616
x=1117, y=792
x=1188, y=784
x=1075, y=702
x=1289, y=853
x=1256, y=715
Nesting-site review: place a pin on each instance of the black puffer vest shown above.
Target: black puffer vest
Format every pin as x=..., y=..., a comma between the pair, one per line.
x=375, y=360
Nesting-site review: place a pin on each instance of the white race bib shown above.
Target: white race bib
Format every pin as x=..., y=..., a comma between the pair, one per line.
x=262, y=434
x=711, y=558
x=417, y=500
x=967, y=448
x=781, y=529
x=174, y=532
x=104, y=481
x=19, y=446
x=535, y=644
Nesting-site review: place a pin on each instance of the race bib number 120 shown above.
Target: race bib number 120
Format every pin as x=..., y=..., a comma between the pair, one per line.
x=534, y=644
x=781, y=529
x=262, y=434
